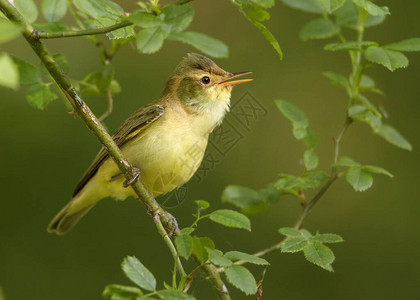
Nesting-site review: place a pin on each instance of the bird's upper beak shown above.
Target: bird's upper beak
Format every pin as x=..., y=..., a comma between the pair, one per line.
x=228, y=81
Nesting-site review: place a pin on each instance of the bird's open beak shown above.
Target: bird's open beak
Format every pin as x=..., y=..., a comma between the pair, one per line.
x=228, y=81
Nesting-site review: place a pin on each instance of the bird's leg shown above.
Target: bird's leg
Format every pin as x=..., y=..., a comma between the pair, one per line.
x=133, y=174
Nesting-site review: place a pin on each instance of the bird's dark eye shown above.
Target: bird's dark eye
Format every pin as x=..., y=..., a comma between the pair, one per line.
x=205, y=80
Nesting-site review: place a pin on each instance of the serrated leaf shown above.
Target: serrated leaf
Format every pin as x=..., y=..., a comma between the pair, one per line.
x=347, y=16
x=202, y=42
x=174, y=295
x=372, y=8
x=319, y=255
x=144, y=19
x=241, y=278
x=290, y=232
x=138, y=273
x=287, y=182
x=54, y=10
x=241, y=197
x=264, y=3
x=392, y=136
x=99, y=8
x=117, y=291
x=359, y=179
x=231, y=218
x=377, y=170
x=337, y=79
x=310, y=159
x=390, y=59
x=319, y=29
x=184, y=245
x=199, y=247
x=178, y=17
x=409, y=45
x=327, y=238
x=39, y=95
x=9, y=72
x=236, y=255
x=294, y=244
x=28, y=9
x=150, y=40
x=202, y=204
x=217, y=258
x=8, y=30
x=311, y=6
x=357, y=46
x=28, y=74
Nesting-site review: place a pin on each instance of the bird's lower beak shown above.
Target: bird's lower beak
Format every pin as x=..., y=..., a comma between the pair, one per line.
x=228, y=81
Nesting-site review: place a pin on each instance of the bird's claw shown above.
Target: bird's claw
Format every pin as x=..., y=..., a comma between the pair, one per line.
x=172, y=226
x=133, y=174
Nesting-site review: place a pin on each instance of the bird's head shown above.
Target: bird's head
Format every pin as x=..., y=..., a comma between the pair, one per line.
x=199, y=82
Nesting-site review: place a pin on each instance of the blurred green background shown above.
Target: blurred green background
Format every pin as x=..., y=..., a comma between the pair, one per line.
x=44, y=153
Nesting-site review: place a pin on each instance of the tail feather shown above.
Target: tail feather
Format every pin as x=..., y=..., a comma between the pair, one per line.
x=65, y=220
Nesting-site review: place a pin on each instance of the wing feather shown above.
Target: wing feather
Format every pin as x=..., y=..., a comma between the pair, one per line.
x=135, y=124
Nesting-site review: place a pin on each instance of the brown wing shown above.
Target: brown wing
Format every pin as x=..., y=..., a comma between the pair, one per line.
x=129, y=129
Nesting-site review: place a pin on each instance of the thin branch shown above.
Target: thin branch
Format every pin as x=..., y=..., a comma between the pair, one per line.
x=110, y=106
x=72, y=33
x=161, y=217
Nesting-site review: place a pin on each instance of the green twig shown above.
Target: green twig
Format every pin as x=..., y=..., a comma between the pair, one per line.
x=73, y=33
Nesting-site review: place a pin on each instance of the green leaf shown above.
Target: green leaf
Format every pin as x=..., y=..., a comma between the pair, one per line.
x=28, y=74
x=217, y=258
x=366, y=103
x=199, y=247
x=372, y=8
x=264, y=3
x=388, y=58
x=392, y=136
x=178, y=17
x=257, y=13
x=347, y=16
x=287, y=182
x=319, y=29
x=311, y=139
x=121, y=33
x=9, y=72
x=241, y=278
x=202, y=42
x=106, y=78
x=319, y=255
x=184, y=245
x=337, y=79
x=357, y=46
x=345, y=161
x=377, y=170
x=236, y=255
x=312, y=180
x=51, y=27
x=138, y=273
x=331, y=5
x=231, y=218
x=327, y=238
x=39, y=95
x=290, y=232
x=311, y=6
x=268, y=36
x=409, y=45
x=292, y=112
x=54, y=10
x=150, y=40
x=174, y=295
x=202, y=204
x=359, y=179
x=310, y=159
x=241, y=197
x=8, y=30
x=99, y=8
x=144, y=19
x=294, y=244
x=117, y=291
x=28, y=9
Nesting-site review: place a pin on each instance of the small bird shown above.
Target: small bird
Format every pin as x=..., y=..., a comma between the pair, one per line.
x=165, y=140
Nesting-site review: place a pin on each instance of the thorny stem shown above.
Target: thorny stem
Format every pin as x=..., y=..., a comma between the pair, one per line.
x=161, y=218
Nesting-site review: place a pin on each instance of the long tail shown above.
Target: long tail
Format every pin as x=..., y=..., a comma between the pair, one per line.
x=65, y=220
